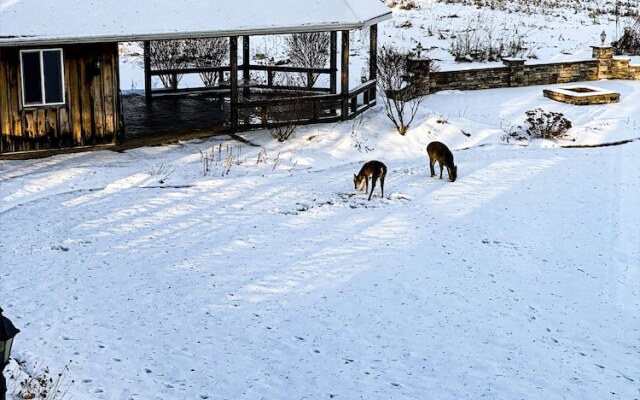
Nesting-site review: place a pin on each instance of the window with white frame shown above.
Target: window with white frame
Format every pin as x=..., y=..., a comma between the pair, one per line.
x=42, y=77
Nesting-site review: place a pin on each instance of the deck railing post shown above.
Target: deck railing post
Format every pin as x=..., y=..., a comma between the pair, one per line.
x=373, y=59
x=246, y=76
x=233, y=58
x=344, y=69
x=147, y=71
x=333, y=63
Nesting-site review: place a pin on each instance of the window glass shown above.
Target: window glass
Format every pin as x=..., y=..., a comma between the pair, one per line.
x=31, y=77
x=52, y=71
x=42, y=77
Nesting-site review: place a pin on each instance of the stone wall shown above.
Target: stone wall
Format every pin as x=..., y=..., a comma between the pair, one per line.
x=516, y=74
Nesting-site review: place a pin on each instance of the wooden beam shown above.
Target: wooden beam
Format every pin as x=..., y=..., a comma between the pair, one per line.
x=373, y=57
x=233, y=80
x=246, y=77
x=147, y=69
x=333, y=63
x=373, y=52
x=344, y=75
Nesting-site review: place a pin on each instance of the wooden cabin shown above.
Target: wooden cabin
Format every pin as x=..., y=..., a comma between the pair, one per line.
x=59, y=96
x=59, y=61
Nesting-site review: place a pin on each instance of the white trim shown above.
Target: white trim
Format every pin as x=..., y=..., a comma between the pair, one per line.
x=42, y=78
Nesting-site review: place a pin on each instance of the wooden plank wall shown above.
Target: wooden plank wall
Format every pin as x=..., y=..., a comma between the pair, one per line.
x=91, y=114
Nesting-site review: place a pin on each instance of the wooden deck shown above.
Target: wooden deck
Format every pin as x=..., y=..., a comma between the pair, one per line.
x=173, y=115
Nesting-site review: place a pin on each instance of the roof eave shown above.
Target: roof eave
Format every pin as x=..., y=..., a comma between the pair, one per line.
x=40, y=41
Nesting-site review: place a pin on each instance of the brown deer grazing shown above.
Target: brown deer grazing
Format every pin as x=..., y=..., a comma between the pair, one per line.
x=371, y=170
x=440, y=152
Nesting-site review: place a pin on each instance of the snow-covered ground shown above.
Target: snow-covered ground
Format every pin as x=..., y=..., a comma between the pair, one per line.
x=272, y=278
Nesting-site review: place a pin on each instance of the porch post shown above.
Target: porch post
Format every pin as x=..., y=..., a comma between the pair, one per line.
x=147, y=69
x=373, y=57
x=245, y=65
x=233, y=58
x=333, y=63
x=344, y=69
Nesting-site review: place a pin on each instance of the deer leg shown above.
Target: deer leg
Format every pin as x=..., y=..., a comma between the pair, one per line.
x=373, y=186
x=431, y=164
x=440, y=169
x=382, y=185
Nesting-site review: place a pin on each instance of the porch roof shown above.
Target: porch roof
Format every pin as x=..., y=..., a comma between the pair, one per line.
x=50, y=22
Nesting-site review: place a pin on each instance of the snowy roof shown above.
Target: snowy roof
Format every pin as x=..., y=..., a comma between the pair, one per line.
x=35, y=22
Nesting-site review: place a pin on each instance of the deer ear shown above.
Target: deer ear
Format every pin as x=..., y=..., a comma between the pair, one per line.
x=354, y=176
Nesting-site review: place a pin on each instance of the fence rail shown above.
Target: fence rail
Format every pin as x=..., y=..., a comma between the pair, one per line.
x=270, y=101
x=305, y=109
x=270, y=81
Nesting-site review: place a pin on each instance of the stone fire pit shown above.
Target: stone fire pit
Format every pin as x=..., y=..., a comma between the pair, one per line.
x=582, y=95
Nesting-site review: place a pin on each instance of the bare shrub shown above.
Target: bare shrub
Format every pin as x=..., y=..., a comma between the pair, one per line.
x=359, y=140
x=629, y=42
x=167, y=55
x=308, y=50
x=540, y=124
x=284, y=119
x=38, y=383
x=210, y=52
x=179, y=54
x=214, y=157
x=401, y=100
x=402, y=4
x=162, y=171
x=554, y=7
x=483, y=40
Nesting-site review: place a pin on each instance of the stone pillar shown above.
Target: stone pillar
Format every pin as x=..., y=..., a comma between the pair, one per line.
x=515, y=67
x=419, y=70
x=604, y=55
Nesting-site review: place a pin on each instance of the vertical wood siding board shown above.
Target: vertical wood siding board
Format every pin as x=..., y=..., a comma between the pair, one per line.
x=88, y=133
x=27, y=118
x=5, y=126
x=118, y=116
x=110, y=91
x=15, y=100
x=74, y=99
x=64, y=128
x=114, y=84
x=51, y=127
x=96, y=108
x=41, y=120
x=106, y=71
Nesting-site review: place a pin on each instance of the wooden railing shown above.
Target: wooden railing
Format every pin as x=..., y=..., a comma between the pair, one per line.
x=224, y=85
x=305, y=109
x=268, y=102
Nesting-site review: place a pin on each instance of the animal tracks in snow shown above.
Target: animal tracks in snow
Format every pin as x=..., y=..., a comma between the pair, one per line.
x=347, y=200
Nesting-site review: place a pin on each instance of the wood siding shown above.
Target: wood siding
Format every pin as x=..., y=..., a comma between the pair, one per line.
x=90, y=116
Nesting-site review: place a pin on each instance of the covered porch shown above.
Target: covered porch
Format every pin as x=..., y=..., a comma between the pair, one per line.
x=89, y=109
x=252, y=95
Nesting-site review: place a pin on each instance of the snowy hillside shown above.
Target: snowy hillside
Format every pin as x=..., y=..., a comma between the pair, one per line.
x=154, y=274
